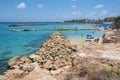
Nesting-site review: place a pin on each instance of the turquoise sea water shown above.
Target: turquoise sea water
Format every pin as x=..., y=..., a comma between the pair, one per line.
x=26, y=43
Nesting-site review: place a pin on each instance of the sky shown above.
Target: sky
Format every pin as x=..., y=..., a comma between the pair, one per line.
x=56, y=10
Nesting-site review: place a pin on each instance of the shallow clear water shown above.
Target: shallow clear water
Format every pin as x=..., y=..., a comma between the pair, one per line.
x=26, y=43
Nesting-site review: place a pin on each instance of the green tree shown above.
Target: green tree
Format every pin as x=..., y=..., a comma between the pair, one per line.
x=116, y=23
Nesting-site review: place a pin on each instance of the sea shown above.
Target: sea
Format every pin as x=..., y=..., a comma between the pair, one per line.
x=24, y=43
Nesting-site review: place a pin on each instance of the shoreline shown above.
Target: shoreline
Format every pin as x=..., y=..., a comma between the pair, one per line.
x=58, y=55
x=74, y=41
x=73, y=38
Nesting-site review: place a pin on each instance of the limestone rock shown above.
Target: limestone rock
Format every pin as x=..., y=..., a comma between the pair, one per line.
x=55, y=53
x=111, y=36
x=16, y=61
x=13, y=61
x=27, y=67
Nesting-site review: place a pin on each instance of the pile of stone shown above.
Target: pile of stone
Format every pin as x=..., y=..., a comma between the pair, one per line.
x=54, y=54
x=22, y=63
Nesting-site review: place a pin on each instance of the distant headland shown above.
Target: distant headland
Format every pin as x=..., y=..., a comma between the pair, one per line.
x=15, y=25
x=91, y=21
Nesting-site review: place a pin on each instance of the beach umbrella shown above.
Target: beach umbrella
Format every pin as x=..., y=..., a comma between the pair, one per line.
x=89, y=35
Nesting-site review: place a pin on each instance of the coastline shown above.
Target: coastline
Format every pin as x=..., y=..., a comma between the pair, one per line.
x=59, y=56
x=26, y=45
x=60, y=40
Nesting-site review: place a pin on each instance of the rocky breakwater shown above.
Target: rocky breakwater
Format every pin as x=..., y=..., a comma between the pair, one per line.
x=54, y=55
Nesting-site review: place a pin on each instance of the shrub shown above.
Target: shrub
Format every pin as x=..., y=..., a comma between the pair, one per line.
x=116, y=23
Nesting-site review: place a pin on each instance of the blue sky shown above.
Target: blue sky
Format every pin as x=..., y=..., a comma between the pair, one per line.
x=56, y=10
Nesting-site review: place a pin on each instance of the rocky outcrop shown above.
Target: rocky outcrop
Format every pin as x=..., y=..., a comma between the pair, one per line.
x=54, y=54
x=36, y=74
x=111, y=36
x=17, y=61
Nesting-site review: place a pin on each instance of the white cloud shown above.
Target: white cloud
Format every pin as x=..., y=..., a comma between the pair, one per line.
x=73, y=0
x=104, y=12
x=40, y=5
x=21, y=5
x=74, y=6
x=99, y=6
x=76, y=12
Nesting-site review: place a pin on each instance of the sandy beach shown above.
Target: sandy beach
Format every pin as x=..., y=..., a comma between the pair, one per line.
x=79, y=42
x=110, y=51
